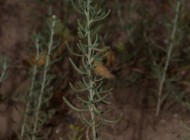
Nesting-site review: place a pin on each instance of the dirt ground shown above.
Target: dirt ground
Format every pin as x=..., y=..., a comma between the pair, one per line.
x=18, y=22
x=139, y=122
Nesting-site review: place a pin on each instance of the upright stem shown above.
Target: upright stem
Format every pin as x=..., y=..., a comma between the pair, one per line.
x=3, y=70
x=168, y=59
x=43, y=86
x=90, y=76
x=89, y=46
x=31, y=90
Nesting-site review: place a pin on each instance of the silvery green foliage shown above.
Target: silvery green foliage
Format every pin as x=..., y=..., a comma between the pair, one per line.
x=162, y=72
x=90, y=85
x=41, y=90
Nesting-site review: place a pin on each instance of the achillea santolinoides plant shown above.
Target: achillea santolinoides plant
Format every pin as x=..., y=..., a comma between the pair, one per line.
x=40, y=90
x=91, y=53
x=163, y=74
x=43, y=98
x=25, y=124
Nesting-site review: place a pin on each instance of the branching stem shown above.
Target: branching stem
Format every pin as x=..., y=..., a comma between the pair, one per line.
x=44, y=79
x=168, y=59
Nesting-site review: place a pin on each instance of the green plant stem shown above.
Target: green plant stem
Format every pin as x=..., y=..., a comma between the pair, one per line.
x=90, y=63
x=168, y=59
x=43, y=86
x=23, y=127
x=90, y=55
x=3, y=71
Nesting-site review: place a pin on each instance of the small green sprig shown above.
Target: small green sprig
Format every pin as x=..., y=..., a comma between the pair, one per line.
x=41, y=100
x=90, y=54
x=31, y=92
x=4, y=68
x=40, y=90
x=163, y=74
x=3, y=74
